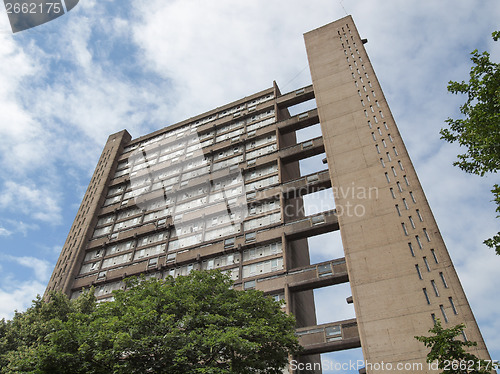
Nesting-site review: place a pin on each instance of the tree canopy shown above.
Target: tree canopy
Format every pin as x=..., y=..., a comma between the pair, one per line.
x=190, y=324
x=479, y=130
x=450, y=354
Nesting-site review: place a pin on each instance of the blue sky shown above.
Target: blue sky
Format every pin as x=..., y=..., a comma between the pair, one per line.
x=142, y=65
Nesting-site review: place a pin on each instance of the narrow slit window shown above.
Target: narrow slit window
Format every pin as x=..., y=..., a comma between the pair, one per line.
x=390, y=137
x=392, y=193
x=395, y=150
x=364, y=88
x=378, y=105
x=434, y=256
x=418, y=271
x=382, y=162
x=405, y=203
x=412, y=223
x=426, y=295
x=418, y=241
x=406, y=180
x=394, y=171
x=378, y=149
x=375, y=119
x=359, y=92
x=453, y=305
x=426, y=264
x=419, y=216
x=388, y=156
x=400, y=165
x=397, y=210
x=368, y=98
x=369, y=124
x=427, y=235
x=433, y=318
x=379, y=131
x=373, y=94
x=387, y=178
x=443, y=279
x=404, y=228
x=444, y=313
x=366, y=113
x=383, y=142
x=411, y=249
x=371, y=109
x=381, y=114
x=412, y=197
x=399, y=187
x=434, y=286
x=362, y=103
x=373, y=136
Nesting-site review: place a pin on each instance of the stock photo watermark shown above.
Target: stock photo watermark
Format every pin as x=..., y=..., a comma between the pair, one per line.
x=26, y=14
x=384, y=367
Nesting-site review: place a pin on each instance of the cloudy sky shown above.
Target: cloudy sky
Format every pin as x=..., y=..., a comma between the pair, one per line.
x=144, y=64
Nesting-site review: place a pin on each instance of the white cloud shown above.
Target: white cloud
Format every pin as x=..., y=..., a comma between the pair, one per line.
x=41, y=204
x=18, y=297
x=5, y=232
x=41, y=268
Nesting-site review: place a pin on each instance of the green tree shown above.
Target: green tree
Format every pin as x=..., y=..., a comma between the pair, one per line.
x=450, y=353
x=479, y=130
x=191, y=324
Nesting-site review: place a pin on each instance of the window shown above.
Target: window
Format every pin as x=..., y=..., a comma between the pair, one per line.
x=400, y=165
x=373, y=136
x=379, y=131
x=427, y=235
x=249, y=285
x=405, y=203
x=453, y=305
x=378, y=149
x=229, y=242
x=397, y=210
x=412, y=197
x=404, y=228
x=418, y=241
x=434, y=256
x=406, y=180
x=443, y=279
x=433, y=318
x=392, y=193
x=399, y=187
x=382, y=162
x=426, y=295
x=412, y=223
x=419, y=216
x=394, y=171
x=411, y=249
x=250, y=236
x=388, y=156
x=387, y=178
x=426, y=264
x=434, y=286
x=418, y=271
x=395, y=151
x=443, y=312
x=369, y=124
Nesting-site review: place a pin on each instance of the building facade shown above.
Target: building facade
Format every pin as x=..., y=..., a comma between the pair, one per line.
x=223, y=190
